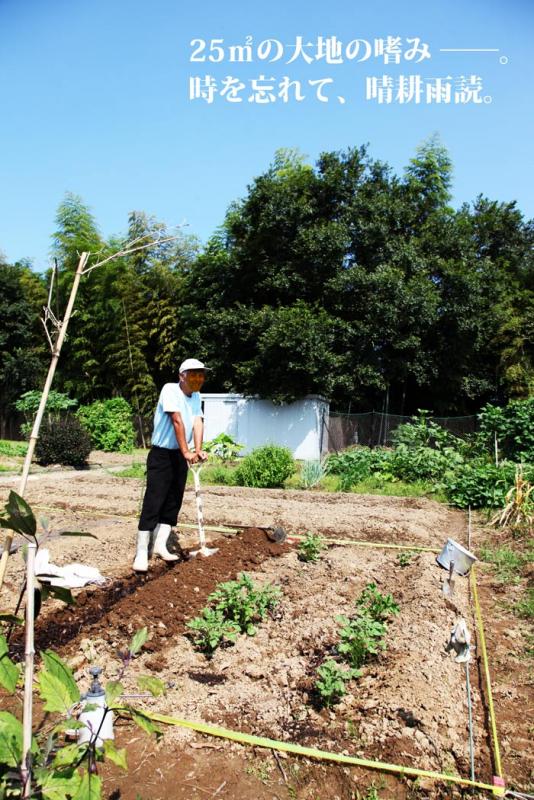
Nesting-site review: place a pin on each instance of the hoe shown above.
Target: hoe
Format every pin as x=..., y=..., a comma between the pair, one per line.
x=203, y=550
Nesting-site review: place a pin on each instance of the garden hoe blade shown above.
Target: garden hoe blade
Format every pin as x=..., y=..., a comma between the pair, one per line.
x=448, y=585
x=203, y=549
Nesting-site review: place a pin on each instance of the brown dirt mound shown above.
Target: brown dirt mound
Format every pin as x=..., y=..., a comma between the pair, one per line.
x=162, y=600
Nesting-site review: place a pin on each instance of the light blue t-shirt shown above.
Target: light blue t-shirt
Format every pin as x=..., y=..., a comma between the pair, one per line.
x=173, y=399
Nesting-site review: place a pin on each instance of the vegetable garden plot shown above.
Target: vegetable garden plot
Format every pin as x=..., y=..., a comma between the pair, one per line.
x=408, y=707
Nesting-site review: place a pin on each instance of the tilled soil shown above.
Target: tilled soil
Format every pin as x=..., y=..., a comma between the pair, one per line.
x=408, y=707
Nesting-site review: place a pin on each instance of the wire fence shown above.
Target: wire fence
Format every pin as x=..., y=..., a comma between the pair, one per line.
x=374, y=428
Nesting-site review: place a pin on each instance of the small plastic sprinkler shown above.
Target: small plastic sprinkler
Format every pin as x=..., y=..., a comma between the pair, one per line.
x=98, y=722
x=203, y=550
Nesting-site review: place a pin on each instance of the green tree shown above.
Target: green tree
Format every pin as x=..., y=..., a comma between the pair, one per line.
x=21, y=349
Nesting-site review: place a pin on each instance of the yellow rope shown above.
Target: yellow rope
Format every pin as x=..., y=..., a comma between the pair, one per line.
x=312, y=752
x=480, y=626
x=387, y=545
x=224, y=529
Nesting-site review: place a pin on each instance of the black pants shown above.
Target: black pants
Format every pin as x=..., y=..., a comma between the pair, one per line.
x=166, y=476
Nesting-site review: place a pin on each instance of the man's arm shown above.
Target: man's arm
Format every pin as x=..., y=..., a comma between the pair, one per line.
x=179, y=431
x=198, y=436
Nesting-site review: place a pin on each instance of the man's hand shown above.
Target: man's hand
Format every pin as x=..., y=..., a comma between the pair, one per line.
x=202, y=455
x=191, y=457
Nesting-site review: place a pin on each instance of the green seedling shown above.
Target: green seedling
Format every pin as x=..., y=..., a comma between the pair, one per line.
x=404, y=559
x=310, y=548
x=244, y=604
x=378, y=606
x=360, y=637
x=331, y=681
x=211, y=630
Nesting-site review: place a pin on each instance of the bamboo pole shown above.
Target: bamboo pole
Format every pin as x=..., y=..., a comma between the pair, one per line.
x=44, y=397
x=29, y=652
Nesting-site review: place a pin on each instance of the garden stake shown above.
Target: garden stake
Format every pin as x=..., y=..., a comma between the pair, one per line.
x=203, y=550
x=29, y=653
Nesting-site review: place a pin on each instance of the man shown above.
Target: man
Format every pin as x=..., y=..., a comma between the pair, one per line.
x=178, y=421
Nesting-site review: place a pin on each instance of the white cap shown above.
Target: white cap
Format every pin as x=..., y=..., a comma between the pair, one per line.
x=191, y=363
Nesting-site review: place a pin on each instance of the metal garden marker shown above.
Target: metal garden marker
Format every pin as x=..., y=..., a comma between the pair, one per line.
x=204, y=550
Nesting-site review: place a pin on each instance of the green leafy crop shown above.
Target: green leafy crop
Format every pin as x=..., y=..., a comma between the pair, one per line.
x=311, y=547
x=236, y=607
x=331, y=681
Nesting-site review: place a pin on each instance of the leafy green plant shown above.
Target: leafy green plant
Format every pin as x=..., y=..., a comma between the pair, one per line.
x=312, y=473
x=363, y=635
x=514, y=426
x=423, y=463
x=481, y=484
x=404, y=559
x=63, y=441
x=57, y=404
x=421, y=431
x=360, y=637
x=379, y=606
x=236, y=607
x=63, y=770
x=311, y=547
x=266, y=467
x=357, y=463
x=109, y=423
x=224, y=447
x=241, y=602
x=331, y=681
x=211, y=629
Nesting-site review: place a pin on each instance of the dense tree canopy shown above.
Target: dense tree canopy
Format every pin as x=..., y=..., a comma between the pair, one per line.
x=342, y=279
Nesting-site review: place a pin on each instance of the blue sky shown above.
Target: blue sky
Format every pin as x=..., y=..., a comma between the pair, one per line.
x=94, y=100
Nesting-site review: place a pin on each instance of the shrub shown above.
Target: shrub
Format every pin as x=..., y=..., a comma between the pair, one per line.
x=109, y=424
x=480, y=484
x=56, y=403
x=356, y=464
x=63, y=441
x=514, y=426
x=266, y=467
x=422, y=463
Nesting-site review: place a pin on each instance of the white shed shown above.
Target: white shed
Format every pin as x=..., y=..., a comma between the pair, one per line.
x=301, y=426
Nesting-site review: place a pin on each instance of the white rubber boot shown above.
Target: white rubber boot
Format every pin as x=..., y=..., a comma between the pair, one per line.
x=140, y=563
x=161, y=534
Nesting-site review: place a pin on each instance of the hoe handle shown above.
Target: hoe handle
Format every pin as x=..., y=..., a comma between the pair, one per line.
x=198, y=497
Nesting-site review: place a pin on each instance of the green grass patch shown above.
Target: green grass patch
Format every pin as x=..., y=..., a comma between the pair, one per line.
x=508, y=563
x=378, y=486
x=13, y=449
x=524, y=608
x=4, y=468
x=137, y=470
x=328, y=483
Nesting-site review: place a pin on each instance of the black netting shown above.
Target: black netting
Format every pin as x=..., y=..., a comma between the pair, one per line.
x=374, y=429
